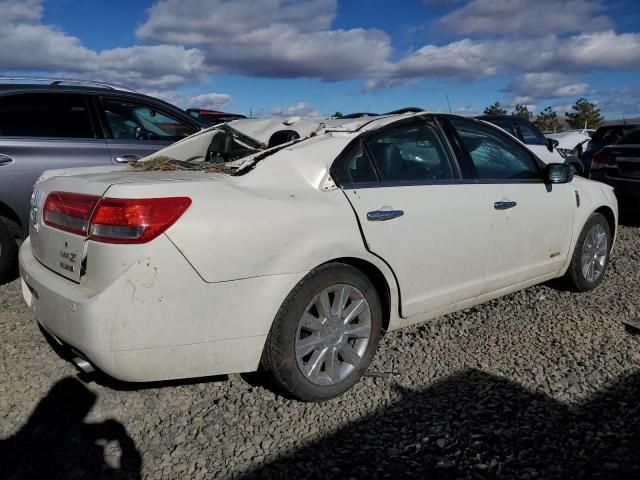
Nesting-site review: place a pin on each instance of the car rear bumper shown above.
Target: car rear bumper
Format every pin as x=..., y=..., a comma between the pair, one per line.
x=627, y=190
x=172, y=326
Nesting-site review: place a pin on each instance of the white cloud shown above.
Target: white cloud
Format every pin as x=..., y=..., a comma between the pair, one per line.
x=45, y=48
x=208, y=101
x=546, y=85
x=375, y=84
x=271, y=38
x=302, y=109
x=526, y=18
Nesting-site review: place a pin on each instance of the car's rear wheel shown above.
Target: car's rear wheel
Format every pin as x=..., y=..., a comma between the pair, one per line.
x=8, y=253
x=325, y=333
x=591, y=254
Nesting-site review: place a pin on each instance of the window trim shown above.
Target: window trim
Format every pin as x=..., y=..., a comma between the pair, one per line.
x=337, y=166
x=87, y=104
x=466, y=156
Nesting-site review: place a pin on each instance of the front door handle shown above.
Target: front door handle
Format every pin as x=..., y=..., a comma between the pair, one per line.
x=383, y=215
x=504, y=205
x=128, y=158
x=5, y=160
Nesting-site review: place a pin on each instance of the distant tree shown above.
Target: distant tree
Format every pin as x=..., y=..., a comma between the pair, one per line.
x=523, y=112
x=337, y=114
x=495, y=109
x=585, y=114
x=547, y=120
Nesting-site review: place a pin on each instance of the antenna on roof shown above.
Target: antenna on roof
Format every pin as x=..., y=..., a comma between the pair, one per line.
x=448, y=104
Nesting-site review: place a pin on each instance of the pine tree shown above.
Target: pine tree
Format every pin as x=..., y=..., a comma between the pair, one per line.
x=585, y=114
x=495, y=109
x=547, y=120
x=523, y=112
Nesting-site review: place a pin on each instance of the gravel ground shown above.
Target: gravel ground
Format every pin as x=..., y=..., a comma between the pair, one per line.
x=543, y=383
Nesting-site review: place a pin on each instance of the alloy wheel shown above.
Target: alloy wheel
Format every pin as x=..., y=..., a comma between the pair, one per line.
x=333, y=334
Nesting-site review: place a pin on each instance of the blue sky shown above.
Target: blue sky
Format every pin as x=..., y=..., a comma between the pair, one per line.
x=307, y=56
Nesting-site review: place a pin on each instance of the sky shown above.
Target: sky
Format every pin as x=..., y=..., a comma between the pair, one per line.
x=302, y=57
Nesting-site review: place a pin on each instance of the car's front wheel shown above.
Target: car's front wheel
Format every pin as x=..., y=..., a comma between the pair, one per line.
x=591, y=254
x=325, y=333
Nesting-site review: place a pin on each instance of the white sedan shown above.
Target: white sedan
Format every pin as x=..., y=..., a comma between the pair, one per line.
x=294, y=260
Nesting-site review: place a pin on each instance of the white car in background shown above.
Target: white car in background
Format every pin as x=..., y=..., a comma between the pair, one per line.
x=296, y=259
x=546, y=148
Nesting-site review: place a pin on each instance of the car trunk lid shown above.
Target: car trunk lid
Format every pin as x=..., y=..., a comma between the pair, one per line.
x=58, y=235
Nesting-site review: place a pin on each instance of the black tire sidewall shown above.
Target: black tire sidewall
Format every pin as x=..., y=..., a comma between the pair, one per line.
x=280, y=354
x=576, y=275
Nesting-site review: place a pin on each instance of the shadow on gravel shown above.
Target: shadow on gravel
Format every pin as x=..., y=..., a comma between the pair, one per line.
x=56, y=443
x=478, y=426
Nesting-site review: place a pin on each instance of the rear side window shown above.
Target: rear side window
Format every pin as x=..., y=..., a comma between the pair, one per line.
x=412, y=153
x=495, y=156
x=52, y=115
x=531, y=135
x=130, y=120
x=356, y=167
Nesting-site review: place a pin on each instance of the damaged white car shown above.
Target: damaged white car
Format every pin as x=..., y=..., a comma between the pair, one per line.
x=219, y=255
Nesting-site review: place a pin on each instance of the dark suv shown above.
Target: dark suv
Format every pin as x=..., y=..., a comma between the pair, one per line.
x=63, y=124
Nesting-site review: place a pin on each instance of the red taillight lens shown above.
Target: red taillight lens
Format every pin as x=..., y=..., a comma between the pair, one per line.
x=603, y=159
x=69, y=211
x=117, y=220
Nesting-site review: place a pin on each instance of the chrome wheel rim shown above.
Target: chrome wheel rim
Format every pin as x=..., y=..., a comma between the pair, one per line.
x=594, y=253
x=333, y=334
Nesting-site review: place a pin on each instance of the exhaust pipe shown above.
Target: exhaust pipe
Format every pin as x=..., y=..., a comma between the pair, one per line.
x=83, y=365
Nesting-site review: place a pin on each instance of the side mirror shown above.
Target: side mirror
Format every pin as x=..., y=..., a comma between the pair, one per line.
x=559, y=173
x=552, y=143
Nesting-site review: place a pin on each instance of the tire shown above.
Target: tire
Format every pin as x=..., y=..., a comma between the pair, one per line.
x=8, y=253
x=586, y=273
x=285, y=358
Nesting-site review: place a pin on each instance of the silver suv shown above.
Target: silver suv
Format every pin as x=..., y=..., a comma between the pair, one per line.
x=71, y=123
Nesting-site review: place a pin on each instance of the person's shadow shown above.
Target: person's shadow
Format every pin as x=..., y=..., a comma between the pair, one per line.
x=57, y=443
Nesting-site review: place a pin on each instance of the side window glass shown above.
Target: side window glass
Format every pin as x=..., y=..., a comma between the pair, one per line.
x=531, y=135
x=411, y=153
x=495, y=156
x=357, y=167
x=52, y=115
x=506, y=125
x=135, y=121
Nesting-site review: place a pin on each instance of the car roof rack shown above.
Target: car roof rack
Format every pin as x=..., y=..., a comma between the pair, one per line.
x=62, y=81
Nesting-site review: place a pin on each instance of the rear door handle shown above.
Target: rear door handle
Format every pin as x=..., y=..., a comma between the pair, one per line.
x=384, y=215
x=504, y=205
x=128, y=158
x=5, y=160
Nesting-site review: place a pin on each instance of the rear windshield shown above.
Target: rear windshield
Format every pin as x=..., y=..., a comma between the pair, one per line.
x=632, y=138
x=612, y=133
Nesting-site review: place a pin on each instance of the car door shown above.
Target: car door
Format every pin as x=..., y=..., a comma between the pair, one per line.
x=532, y=220
x=417, y=214
x=135, y=128
x=43, y=131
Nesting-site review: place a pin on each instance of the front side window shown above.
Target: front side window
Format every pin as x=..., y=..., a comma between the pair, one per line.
x=49, y=115
x=135, y=121
x=495, y=156
x=412, y=153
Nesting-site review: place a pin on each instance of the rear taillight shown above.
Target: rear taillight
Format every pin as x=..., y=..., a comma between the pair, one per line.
x=69, y=211
x=113, y=220
x=118, y=220
x=603, y=159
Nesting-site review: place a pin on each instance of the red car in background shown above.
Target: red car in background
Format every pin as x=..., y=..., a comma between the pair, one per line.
x=208, y=118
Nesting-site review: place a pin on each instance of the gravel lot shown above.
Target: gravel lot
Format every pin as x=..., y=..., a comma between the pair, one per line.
x=543, y=383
